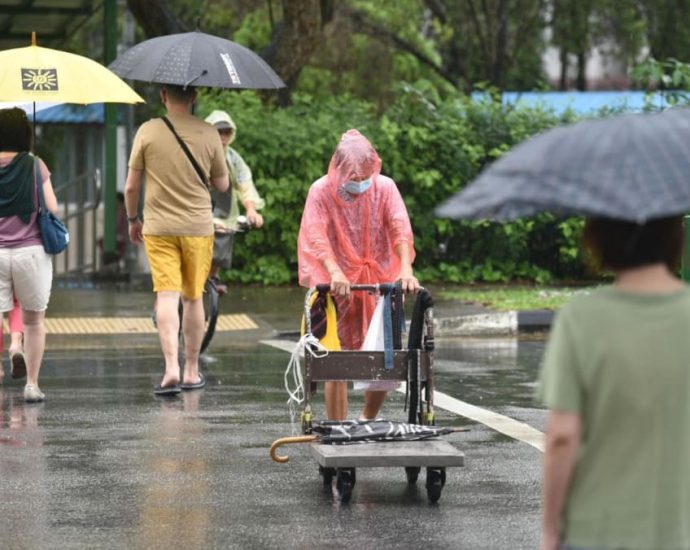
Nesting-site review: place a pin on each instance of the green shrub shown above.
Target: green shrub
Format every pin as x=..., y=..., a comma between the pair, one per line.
x=431, y=147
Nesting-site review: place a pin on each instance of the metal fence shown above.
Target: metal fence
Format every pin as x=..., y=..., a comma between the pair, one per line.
x=80, y=209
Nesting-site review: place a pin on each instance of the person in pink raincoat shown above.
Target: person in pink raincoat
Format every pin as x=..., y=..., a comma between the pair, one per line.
x=355, y=230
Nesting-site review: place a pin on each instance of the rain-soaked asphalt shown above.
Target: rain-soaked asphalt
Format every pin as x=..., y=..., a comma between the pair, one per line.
x=105, y=464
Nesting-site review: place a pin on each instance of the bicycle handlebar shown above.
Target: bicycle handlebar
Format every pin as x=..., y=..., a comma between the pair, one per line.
x=243, y=224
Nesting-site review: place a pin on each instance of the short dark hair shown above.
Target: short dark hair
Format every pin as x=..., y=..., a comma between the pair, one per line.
x=616, y=244
x=179, y=94
x=15, y=130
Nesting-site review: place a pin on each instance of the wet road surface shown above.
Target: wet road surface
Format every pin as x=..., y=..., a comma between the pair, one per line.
x=103, y=463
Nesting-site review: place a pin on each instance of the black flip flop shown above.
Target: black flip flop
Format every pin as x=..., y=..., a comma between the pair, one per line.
x=166, y=390
x=196, y=386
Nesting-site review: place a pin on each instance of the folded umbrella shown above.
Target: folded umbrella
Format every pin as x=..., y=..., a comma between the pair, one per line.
x=356, y=431
x=196, y=59
x=362, y=431
x=630, y=167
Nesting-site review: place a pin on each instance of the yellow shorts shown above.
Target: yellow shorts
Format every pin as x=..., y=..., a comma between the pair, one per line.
x=179, y=264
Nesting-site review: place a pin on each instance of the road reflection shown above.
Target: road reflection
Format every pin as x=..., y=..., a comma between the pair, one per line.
x=23, y=471
x=174, y=509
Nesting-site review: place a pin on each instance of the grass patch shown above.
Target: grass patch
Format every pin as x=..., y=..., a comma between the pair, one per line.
x=510, y=298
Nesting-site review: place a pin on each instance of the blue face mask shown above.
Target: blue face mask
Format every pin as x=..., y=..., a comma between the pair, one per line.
x=357, y=188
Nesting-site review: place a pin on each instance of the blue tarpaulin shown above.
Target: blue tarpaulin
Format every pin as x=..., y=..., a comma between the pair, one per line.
x=583, y=103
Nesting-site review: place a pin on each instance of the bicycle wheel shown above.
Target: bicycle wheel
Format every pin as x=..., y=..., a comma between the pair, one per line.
x=210, y=299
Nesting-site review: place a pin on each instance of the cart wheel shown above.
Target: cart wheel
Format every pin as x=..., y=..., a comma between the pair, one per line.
x=412, y=474
x=344, y=482
x=435, y=480
x=328, y=474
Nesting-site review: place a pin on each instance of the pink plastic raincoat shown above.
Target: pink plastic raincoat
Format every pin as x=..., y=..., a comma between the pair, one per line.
x=359, y=232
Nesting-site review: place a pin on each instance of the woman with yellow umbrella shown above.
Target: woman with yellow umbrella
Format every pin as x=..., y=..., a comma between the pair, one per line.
x=30, y=75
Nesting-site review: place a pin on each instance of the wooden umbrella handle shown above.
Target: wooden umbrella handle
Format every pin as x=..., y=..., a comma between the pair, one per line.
x=284, y=441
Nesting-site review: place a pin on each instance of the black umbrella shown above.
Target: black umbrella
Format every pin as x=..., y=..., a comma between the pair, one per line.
x=357, y=431
x=632, y=167
x=362, y=431
x=195, y=59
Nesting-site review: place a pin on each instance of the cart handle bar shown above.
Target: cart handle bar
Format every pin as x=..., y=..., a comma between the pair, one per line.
x=326, y=287
x=284, y=441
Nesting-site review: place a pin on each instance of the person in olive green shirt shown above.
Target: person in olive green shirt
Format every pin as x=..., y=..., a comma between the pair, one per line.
x=616, y=378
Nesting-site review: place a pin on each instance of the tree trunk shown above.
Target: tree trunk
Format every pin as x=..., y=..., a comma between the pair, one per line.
x=155, y=17
x=563, y=84
x=295, y=39
x=582, y=71
x=499, y=66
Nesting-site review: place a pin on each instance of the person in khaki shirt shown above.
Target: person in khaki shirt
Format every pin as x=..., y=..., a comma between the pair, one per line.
x=177, y=227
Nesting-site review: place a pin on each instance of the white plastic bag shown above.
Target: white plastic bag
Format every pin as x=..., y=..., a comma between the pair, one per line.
x=373, y=341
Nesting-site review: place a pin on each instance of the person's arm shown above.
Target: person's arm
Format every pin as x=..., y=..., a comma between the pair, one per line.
x=246, y=190
x=219, y=170
x=132, y=194
x=221, y=183
x=49, y=196
x=397, y=221
x=256, y=219
x=406, y=276
x=563, y=435
x=340, y=285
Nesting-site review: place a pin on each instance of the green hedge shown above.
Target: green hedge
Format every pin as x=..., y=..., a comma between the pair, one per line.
x=431, y=147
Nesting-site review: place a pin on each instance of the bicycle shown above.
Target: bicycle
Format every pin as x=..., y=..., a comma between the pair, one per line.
x=212, y=294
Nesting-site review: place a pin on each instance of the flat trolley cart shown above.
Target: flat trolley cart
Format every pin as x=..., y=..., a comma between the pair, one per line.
x=414, y=366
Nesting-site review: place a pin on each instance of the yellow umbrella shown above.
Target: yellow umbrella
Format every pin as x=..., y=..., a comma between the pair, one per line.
x=45, y=75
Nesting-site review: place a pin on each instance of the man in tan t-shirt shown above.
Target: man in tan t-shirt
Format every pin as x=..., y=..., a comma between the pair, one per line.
x=177, y=230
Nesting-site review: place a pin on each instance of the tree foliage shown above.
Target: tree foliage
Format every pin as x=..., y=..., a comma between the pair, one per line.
x=431, y=146
x=364, y=47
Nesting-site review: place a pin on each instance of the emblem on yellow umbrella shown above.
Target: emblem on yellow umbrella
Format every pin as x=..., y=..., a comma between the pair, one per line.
x=40, y=80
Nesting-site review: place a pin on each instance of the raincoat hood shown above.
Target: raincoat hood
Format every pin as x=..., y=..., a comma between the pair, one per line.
x=222, y=120
x=354, y=159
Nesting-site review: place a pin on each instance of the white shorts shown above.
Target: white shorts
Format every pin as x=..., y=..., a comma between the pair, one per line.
x=27, y=272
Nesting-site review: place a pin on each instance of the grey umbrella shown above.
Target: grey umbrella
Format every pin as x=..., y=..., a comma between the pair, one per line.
x=196, y=59
x=631, y=167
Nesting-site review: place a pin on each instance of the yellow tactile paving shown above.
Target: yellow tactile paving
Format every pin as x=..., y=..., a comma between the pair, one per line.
x=132, y=325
